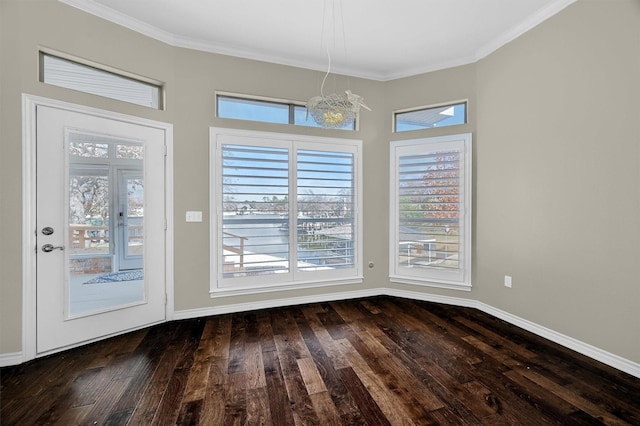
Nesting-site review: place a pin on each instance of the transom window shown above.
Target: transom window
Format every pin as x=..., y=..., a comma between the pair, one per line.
x=430, y=117
x=96, y=81
x=430, y=232
x=252, y=108
x=287, y=211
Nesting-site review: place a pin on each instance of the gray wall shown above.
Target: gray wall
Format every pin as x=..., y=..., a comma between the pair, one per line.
x=557, y=162
x=558, y=175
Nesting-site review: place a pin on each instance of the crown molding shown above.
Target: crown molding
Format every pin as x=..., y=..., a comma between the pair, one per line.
x=94, y=8
x=515, y=32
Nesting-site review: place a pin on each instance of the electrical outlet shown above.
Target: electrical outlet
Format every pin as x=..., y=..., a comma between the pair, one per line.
x=507, y=281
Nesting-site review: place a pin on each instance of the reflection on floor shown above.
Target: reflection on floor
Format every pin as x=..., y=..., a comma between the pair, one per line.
x=89, y=298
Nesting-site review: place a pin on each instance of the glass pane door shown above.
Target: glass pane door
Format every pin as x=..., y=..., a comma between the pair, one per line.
x=105, y=225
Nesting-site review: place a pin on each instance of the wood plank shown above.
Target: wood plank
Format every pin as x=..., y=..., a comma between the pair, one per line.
x=147, y=407
x=104, y=406
x=371, y=412
x=333, y=322
x=499, y=355
x=387, y=399
x=235, y=397
x=254, y=366
x=311, y=377
x=170, y=405
x=265, y=331
x=190, y=413
x=332, y=349
x=372, y=307
x=279, y=403
x=325, y=409
x=342, y=398
x=214, y=401
x=258, y=412
x=145, y=359
x=196, y=387
x=222, y=340
x=149, y=402
x=236, y=345
x=288, y=352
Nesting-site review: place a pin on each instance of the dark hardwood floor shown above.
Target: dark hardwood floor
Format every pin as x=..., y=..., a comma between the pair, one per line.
x=376, y=361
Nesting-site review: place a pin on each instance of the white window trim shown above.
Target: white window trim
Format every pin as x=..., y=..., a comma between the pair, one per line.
x=276, y=282
x=425, y=277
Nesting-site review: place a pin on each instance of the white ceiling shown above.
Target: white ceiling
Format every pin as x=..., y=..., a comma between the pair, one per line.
x=375, y=39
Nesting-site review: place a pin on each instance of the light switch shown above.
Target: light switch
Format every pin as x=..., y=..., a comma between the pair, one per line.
x=194, y=216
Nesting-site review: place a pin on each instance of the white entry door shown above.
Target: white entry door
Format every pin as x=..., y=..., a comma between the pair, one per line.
x=100, y=225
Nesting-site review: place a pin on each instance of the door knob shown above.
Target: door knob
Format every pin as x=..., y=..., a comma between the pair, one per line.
x=49, y=248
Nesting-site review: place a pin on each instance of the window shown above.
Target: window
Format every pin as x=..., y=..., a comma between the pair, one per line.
x=89, y=79
x=429, y=117
x=430, y=200
x=253, y=108
x=286, y=211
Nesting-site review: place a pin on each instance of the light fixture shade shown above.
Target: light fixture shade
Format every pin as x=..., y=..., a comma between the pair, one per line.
x=334, y=110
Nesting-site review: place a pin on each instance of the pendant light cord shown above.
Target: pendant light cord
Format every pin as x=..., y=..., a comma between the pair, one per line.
x=326, y=75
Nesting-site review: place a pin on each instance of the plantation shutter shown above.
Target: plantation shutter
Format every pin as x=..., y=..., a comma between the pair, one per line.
x=325, y=205
x=431, y=230
x=255, y=191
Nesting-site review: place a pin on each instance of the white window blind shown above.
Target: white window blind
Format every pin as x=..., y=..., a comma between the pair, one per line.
x=431, y=200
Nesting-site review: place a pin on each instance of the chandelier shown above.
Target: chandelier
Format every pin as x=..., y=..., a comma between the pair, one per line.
x=336, y=109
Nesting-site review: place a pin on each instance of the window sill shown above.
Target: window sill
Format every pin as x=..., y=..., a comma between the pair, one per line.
x=220, y=292
x=450, y=285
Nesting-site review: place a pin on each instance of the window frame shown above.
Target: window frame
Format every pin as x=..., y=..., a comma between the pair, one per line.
x=395, y=114
x=461, y=278
x=221, y=286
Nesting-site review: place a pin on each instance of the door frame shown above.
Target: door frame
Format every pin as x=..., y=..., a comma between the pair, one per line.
x=29, y=245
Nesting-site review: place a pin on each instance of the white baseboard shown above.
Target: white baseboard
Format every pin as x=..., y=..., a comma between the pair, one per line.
x=8, y=359
x=583, y=348
x=586, y=349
